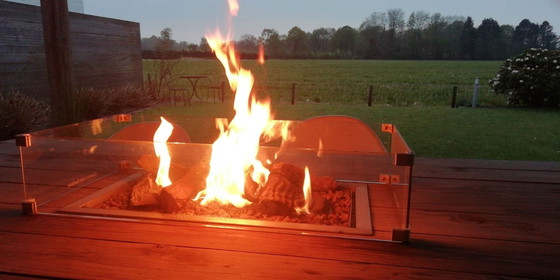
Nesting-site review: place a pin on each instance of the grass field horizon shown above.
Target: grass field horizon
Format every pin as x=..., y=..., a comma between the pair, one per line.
x=395, y=82
x=414, y=95
x=431, y=131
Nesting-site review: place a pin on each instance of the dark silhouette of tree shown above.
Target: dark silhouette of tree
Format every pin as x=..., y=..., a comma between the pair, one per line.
x=370, y=39
x=525, y=36
x=505, y=40
x=320, y=39
x=150, y=44
x=468, y=39
x=452, y=34
x=413, y=37
x=488, y=39
x=395, y=24
x=434, y=37
x=343, y=42
x=297, y=43
x=165, y=43
x=382, y=35
x=203, y=46
x=247, y=44
x=272, y=43
x=547, y=39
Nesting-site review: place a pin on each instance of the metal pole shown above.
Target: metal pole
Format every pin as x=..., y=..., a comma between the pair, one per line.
x=454, y=97
x=475, y=93
x=293, y=94
x=22, y=173
x=370, y=96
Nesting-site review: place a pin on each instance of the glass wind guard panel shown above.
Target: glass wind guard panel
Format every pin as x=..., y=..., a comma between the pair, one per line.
x=76, y=168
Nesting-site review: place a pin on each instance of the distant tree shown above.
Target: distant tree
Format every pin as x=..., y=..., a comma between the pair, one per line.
x=192, y=47
x=150, y=44
x=414, y=41
x=452, y=33
x=547, y=39
x=468, y=39
x=488, y=40
x=393, y=34
x=435, y=38
x=166, y=43
x=247, y=44
x=272, y=42
x=297, y=43
x=375, y=19
x=369, y=43
x=320, y=39
x=203, y=46
x=395, y=20
x=505, y=40
x=343, y=42
x=181, y=46
x=525, y=36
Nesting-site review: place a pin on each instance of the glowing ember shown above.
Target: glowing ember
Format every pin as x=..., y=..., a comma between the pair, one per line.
x=160, y=138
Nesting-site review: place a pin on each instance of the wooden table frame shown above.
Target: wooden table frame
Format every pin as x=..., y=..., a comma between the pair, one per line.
x=470, y=219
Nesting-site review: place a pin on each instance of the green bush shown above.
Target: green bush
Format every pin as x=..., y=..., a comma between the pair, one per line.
x=531, y=78
x=94, y=103
x=21, y=113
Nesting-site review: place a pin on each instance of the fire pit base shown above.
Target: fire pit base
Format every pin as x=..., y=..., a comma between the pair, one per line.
x=361, y=217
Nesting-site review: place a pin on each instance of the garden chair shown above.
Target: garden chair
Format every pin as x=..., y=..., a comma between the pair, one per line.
x=336, y=133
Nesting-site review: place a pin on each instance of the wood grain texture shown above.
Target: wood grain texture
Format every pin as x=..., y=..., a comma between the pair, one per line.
x=106, y=52
x=467, y=222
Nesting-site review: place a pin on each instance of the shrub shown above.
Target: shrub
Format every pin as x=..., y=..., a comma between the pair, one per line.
x=531, y=78
x=21, y=113
x=94, y=103
x=90, y=104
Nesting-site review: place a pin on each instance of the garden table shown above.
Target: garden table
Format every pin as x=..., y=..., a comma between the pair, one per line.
x=193, y=80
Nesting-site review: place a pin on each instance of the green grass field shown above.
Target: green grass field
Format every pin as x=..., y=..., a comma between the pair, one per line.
x=414, y=95
x=397, y=83
x=483, y=133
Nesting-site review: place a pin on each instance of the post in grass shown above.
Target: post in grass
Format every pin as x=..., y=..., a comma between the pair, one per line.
x=475, y=93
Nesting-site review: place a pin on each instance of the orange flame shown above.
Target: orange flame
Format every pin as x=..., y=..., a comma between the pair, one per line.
x=306, y=193
x=234, y=153
x=233, y=7
x=261, y=53
x=160, y=138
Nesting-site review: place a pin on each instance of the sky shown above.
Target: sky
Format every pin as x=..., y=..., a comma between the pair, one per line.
x=190, y=20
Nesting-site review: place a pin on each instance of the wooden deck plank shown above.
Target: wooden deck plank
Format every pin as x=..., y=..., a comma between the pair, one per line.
x=469, y=221
x=496, y=175
x=128, y=260
x=530, y=200
x=426, y=251
x=452, y=163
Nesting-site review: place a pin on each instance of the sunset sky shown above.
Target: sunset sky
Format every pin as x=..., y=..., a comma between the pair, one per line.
x=190, y=20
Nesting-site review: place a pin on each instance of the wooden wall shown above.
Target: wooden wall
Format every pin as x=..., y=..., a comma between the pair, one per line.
x=105, y=52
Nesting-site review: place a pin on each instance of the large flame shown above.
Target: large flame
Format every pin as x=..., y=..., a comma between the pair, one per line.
x=234, y=153
x=160, y=146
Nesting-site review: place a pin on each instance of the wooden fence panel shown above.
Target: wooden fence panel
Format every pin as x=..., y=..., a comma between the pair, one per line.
x=105, y=52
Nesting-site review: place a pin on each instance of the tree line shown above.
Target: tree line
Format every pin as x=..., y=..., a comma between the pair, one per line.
x=382, y=35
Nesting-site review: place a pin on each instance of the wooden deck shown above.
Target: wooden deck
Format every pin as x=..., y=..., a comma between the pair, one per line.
x=470, y=219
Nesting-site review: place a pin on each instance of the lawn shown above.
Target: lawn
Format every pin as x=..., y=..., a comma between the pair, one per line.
x=396, y=83
x=414, y=95
x=433, y=131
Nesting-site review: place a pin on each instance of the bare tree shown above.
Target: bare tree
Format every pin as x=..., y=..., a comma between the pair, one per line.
x=395, y=20
x=375, y=19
